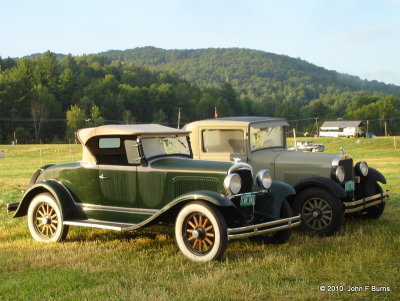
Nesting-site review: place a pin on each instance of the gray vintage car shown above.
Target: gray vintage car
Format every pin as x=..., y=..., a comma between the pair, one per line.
x=328, y=186
x=132, y=176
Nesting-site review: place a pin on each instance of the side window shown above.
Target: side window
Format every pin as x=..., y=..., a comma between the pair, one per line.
x=223, y=141
x=109, y=143
x=132, y=152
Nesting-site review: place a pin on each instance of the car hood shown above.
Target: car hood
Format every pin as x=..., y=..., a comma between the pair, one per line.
x=186, y=164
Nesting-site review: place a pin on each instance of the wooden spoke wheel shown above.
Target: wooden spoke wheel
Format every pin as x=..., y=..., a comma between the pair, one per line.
x=316, y=213
x=45, y=219
x=200, y=232
x=321, y=212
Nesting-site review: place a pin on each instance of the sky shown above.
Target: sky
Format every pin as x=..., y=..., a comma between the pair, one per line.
x=357, y=37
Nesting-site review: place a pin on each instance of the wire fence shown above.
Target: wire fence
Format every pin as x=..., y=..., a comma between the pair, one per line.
x=53, y=130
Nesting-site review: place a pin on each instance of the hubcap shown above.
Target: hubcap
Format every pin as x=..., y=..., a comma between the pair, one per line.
x=316, y=213
x=198, y=233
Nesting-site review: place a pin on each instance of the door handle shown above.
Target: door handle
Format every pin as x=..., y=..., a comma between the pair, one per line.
x=103, y=177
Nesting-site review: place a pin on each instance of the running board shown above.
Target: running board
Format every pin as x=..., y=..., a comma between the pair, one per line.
x=99, y=224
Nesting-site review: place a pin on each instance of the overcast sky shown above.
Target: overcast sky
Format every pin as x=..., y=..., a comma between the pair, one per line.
x=358, y=37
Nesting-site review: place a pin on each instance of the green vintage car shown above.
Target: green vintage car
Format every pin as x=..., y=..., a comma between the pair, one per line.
x=328, y=186
x=133, y=176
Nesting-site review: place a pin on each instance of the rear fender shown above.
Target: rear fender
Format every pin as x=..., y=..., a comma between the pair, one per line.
x=57, y=190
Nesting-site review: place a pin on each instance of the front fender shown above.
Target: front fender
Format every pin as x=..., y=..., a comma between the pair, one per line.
x=325, y=183
x=376, y=175
x=270, y=205
x=59, y=192
x=169, y=212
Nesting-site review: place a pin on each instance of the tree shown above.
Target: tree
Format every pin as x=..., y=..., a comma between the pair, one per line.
x=95, y=116
x=41, y=104
x=75, y=120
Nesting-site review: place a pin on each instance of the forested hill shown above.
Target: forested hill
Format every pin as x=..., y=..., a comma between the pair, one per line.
x=253, y=73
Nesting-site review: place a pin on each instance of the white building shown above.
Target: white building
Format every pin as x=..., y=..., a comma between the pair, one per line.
x=341, y=128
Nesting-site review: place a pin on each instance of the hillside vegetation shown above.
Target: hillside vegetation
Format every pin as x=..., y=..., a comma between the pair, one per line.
x=47, y=97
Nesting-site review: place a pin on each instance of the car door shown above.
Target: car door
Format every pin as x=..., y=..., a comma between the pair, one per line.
x=118, y=181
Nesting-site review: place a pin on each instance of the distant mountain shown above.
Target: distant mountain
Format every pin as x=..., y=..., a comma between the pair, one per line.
x=253, y=73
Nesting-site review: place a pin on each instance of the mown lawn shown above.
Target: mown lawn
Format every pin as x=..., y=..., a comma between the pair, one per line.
x=147, y=265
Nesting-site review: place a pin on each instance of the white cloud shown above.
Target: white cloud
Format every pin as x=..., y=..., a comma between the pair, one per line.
x=369, y=34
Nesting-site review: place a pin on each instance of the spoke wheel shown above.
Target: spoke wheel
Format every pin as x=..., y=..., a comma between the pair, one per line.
x=201, y=232
x=317, y=213
x=321, y=212
x=45, y=219
x=198, y=233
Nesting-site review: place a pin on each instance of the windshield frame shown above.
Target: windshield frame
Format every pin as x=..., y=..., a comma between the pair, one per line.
x=148, y=158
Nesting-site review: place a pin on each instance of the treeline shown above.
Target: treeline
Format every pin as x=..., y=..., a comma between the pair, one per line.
x=46, y=97
x=40, y=96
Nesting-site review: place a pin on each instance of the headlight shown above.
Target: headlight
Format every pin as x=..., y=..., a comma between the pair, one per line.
x=232, y=183
x=361, y=168
x=340, y=174
x=264, y=178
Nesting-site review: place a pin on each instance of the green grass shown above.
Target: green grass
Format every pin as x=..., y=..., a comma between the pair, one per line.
x=147, y=265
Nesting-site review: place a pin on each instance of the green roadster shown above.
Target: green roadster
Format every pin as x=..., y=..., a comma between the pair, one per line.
x=133, y=176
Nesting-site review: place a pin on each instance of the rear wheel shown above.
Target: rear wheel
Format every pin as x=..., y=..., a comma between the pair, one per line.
x=321, y=212
x=201, y=232
x=279, y=237
x=45, y=220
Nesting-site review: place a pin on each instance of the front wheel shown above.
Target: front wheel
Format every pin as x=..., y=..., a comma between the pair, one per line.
x=201, y=232
x=321, y=212
x=375, y=211
x=45, y=220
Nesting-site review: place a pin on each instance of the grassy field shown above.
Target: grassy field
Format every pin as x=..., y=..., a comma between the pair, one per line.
x=147, y=265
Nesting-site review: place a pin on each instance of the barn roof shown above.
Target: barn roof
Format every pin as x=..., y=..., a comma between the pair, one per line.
x=342, y=123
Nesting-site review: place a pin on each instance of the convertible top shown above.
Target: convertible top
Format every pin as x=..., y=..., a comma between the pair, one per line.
x=127, y=129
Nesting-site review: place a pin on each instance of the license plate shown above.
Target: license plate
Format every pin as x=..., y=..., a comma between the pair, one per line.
x=349, y=186
x=248, y=199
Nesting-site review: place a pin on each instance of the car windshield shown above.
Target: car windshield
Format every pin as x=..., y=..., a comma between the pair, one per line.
x=161, y=146
x=266, y=137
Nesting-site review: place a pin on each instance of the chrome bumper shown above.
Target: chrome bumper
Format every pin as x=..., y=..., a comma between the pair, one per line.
x=259, y=229
x=350, y=207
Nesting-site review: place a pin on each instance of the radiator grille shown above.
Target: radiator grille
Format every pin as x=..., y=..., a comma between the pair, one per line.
x=247, y=180
x=347, y=164
x=186, y=184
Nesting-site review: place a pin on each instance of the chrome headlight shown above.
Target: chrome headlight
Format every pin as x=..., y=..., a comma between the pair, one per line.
x=340, y=174
x=361, y=168
x=264, y=178
x=233, y=183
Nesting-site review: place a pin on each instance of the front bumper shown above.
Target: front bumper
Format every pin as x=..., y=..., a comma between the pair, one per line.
x=351, y=207
x=264, y=228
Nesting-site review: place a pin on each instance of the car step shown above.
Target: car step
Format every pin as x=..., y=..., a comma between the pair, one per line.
x=99, y=224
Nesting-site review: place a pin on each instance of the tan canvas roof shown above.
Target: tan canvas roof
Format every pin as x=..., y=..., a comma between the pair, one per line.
x=238, y=121
x=127, y=129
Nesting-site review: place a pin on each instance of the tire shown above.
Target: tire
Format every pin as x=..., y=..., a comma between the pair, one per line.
x=201, y=232
x=375, y=211
x=37, y=174
x=321, y=213
x=279, y=237
x=45, y=220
